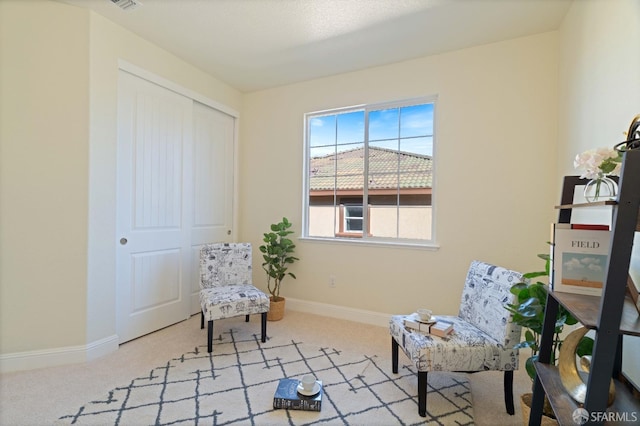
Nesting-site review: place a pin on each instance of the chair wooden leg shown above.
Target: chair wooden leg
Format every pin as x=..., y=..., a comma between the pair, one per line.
x=264, y=327
x=422, y=393
x=210, y=336
x=508, y=391
x=246, y=318
x=394, y=355
x=201, y=320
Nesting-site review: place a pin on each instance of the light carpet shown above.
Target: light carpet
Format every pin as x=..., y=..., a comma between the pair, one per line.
x=235, y=385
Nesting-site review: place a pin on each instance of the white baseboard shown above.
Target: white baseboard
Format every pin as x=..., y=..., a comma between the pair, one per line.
x=59, y=356
x=341, y=312
x=77, y=354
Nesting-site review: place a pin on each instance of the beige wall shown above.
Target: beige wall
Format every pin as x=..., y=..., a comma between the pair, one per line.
x=58, y=171
x=44, y=101
x=599, y=76
x=496, y=127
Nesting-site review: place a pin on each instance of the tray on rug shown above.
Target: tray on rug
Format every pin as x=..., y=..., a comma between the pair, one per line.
x=234, y=385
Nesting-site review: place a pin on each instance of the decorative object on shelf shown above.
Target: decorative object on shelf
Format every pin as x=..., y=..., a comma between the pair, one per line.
x=601, y=189
x=633, y=136
x=277, y=253
x=572, y=379
x=597, y=165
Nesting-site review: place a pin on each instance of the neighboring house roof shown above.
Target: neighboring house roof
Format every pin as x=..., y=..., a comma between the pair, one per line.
x=417, y=170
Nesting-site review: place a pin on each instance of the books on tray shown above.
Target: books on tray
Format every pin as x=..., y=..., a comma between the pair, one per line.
x=579, y=260
x=436, y=327
x=287, y=396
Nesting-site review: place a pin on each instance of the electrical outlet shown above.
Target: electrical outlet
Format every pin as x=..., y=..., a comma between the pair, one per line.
x=332, y=281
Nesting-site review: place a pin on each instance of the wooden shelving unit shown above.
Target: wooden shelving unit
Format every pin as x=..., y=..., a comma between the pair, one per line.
x=611, y=315
x=564, y=406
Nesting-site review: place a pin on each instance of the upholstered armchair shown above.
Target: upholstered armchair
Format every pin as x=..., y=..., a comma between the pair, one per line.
x=226, y=288
x=483, y=335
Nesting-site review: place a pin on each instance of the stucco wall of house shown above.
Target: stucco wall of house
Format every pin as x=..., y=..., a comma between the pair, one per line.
x=409, y=222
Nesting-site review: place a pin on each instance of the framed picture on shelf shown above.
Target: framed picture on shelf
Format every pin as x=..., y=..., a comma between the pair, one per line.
x=580, y=260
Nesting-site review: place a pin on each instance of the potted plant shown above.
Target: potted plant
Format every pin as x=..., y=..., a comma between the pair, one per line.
x=528, y=312
x=277, y=253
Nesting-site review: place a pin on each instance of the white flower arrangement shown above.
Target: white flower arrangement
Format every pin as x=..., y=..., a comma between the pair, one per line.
x=599, y=162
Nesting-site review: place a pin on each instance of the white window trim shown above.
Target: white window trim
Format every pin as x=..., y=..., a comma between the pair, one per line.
x=431, y=244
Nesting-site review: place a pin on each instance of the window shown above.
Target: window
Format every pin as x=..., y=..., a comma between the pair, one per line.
x=369, y=172
x=353, y=218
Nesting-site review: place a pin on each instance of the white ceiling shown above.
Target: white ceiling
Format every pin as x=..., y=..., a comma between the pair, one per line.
x=257, y=44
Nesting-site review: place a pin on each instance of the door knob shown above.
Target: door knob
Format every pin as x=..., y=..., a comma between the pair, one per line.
x=123, y=241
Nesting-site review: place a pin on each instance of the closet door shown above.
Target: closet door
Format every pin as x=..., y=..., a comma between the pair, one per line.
x=154, y=207
x=213, y=141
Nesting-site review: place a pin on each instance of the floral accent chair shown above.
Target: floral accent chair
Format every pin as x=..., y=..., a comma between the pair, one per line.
x=483, y=336
x=225, y=286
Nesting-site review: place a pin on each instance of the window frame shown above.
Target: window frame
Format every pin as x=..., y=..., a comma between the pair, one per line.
x=348, y=215
x=354, y=236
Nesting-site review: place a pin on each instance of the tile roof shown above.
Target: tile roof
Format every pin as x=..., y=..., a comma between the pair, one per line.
x=417, y=170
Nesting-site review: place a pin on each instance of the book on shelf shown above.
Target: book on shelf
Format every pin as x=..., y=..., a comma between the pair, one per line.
x=590, y=226
x=579, y=260
x=437, y=327
x=287, y=396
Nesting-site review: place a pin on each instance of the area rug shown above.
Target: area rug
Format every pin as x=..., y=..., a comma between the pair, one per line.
x=235, y=385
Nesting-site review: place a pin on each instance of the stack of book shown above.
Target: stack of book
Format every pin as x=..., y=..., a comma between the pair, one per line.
x=436, y=327
x=287, y=396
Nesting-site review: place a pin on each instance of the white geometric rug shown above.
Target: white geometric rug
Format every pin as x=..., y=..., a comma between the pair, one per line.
x=235, y=385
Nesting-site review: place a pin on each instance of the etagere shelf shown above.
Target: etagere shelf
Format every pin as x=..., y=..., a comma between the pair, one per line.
x=610, y=315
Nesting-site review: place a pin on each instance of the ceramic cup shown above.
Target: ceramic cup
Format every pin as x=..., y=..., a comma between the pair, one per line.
x=424, y=314
x=308, y=380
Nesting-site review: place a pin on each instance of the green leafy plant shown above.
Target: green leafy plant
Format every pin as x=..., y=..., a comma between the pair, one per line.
x=528, y=312
x=277, y=253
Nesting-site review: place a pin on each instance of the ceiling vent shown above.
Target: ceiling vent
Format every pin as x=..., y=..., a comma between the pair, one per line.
x=126, y=4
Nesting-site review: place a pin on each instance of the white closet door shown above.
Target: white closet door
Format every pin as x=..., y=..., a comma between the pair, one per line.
x=154, y=210
x=213, y=141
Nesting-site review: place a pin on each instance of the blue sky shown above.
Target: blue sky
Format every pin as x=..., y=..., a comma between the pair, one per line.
x=410, y=127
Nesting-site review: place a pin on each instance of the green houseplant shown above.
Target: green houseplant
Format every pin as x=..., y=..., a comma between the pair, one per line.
x=528, y=312
x=277, y=253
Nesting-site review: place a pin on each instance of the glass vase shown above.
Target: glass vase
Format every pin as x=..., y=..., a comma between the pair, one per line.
x=602, y=188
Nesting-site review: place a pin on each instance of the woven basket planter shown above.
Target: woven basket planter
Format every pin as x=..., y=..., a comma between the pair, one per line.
x=276, y=309
x=525, y=403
